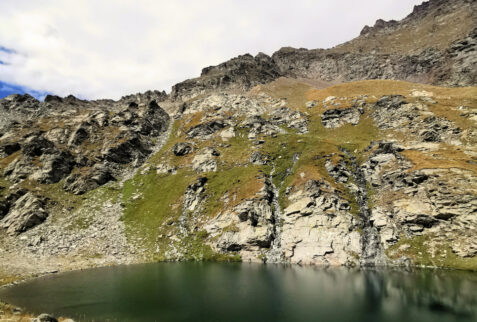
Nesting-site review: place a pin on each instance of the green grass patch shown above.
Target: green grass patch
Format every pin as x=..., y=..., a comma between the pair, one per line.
x=150, y=202
x=239, y=183
x=420, y=254
x=196, y=249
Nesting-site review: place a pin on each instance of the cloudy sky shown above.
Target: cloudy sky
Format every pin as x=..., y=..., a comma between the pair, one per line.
x=109, y=48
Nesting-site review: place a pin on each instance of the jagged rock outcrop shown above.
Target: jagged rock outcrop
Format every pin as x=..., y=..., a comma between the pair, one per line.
x=337, y=117
x=86, y=144
x=246, y=228
x=449, y=60
x=205, y=130
x=79, y=183
x=26, y=212
x=241, y=72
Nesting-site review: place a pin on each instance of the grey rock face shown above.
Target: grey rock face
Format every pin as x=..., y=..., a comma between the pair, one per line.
x=55, y=167
x=27, y=212
x=463, y=55
x=194, y=194
x=97, y=176
x=292, y=119
x=144, y=98
x=205, y=160
x=247, y=228
x=337, y=117
x=17, y=102
x=454, y=67
x=87, y=142
x=128, y=147
x=339, y=171
x=37, y=145
x=395, y=113
x=317, y=225
x=241, y=72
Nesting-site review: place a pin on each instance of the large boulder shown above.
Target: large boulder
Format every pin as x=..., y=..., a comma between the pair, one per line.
x=204, y=130
x=27, y=212
x=182, y=148
x=44, y=317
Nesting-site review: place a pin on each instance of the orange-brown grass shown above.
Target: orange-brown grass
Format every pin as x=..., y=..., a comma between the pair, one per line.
x=291, y=89
x=441, y=159
x=379, y=88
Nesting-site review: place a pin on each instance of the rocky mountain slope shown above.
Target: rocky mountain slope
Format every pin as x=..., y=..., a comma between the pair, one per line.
x=435, y=44
x=261, y=158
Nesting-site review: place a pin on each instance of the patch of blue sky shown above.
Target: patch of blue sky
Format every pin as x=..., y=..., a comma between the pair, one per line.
x=8, y=89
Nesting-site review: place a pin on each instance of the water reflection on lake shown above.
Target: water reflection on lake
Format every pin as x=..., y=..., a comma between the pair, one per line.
x=250, y=292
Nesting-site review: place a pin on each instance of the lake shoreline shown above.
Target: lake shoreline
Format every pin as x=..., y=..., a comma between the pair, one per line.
x=11, y=311
x=162, y=277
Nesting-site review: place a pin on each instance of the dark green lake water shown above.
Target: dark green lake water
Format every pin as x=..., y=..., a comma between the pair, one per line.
x=250, y=292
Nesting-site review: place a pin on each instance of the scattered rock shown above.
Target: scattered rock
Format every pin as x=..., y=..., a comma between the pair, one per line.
x=337, y=117
x=182, y=148
x=258, y=158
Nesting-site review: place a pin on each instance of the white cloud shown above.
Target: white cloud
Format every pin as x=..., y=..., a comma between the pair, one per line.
x=109, y=48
